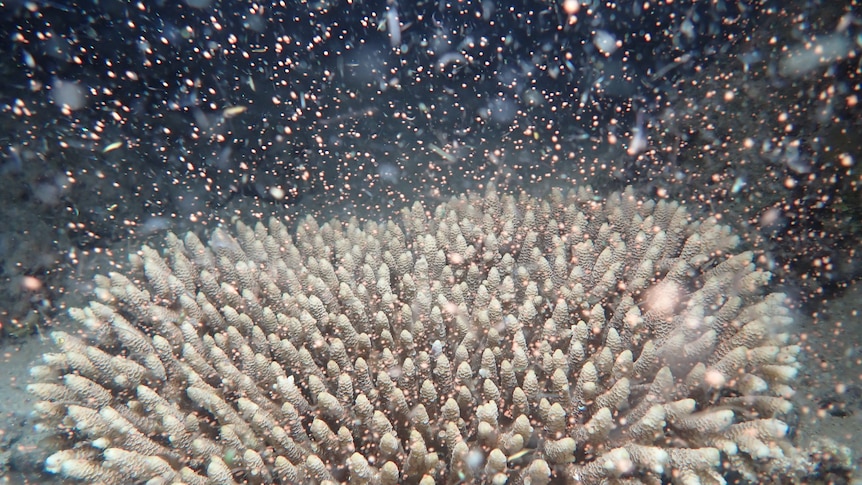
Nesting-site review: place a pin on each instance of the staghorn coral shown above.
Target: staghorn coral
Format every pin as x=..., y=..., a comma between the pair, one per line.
x=496, y=338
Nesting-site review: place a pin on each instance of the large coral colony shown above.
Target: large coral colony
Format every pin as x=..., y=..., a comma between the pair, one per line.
x=495, y=338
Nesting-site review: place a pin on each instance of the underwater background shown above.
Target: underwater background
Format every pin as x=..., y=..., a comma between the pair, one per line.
x=122, y=120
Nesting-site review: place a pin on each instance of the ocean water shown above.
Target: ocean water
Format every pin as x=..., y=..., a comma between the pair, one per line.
x=122, y=121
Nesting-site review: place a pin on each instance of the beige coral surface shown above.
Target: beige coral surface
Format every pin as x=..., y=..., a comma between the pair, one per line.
x=494, y=338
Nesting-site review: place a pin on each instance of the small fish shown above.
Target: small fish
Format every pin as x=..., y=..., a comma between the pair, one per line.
x=394, y=26
x=439, y=151
x=520, y=454
x=28, y=59
x=232, y=111
x=112, y=147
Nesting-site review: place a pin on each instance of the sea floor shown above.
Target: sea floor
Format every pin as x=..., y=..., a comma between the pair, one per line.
x=829, y=399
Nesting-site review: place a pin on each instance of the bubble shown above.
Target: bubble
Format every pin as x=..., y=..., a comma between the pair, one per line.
x=605, y=42
x=389, y=172
x=501, y=111
x=68, y=94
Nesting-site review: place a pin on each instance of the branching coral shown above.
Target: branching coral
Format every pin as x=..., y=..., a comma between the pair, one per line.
x=494, y=337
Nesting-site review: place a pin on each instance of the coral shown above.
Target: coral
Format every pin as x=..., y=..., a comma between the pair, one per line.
x=492, y=338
